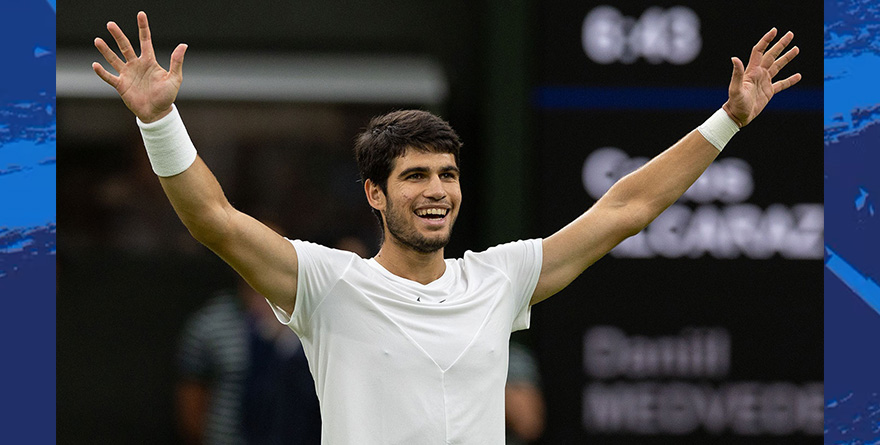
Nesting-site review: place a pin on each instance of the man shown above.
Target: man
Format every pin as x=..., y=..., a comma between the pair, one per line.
x=243, y=378
x=409, y=347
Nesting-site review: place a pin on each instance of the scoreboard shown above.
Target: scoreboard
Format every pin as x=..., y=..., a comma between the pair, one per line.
x=706, y=326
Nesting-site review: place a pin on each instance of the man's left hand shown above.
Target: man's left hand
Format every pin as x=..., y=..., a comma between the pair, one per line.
x=752, y=87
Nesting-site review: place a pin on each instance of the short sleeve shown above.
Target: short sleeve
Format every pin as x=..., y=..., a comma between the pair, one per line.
x=520, y=261
x=319, y=268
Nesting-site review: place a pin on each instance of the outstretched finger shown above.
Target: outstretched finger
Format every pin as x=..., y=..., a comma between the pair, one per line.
x=736, y=78
x=782, y=61
x=144, y=35
x=176, y=67
x=788, y=82
x=109, y=55
x=124, y=45
x=774, y=52
x=104, y=74
x=760, y=47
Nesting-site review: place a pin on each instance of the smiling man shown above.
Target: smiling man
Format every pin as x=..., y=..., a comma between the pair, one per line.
x=408, y=162
x=410, y=347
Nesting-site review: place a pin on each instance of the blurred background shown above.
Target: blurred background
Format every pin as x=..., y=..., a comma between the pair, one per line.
x=704, y=327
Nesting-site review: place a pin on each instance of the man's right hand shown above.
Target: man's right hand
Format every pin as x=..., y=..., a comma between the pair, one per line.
x=145, y=87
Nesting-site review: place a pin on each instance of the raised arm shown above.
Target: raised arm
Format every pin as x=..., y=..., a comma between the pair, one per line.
x=636, y=199
x=265, y=259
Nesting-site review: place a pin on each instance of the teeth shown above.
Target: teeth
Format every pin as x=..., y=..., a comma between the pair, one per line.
x=425, y=212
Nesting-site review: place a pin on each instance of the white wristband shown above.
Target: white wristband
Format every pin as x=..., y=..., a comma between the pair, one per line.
x=168, y=145
x=718, y=129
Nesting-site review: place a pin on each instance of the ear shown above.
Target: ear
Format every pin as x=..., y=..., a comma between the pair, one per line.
x=375, y=195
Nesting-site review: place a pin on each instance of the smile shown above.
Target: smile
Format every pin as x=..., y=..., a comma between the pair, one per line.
x=432, y=213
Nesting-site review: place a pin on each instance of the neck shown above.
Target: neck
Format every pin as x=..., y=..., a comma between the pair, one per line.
x=407, y=263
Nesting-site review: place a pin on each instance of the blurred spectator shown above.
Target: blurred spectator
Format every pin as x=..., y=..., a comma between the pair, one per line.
x=244, y=377
x=523, y=399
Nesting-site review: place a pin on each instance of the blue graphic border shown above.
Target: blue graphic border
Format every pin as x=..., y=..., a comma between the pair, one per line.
x=27, y=221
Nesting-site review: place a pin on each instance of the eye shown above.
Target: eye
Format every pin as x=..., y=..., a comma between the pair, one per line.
x=449, y=175
x=415, y=176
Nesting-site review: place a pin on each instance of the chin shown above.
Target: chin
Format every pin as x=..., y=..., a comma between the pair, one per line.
x=431, y=244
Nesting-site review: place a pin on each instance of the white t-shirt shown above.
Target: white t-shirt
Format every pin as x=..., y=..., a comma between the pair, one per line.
x=399, y=362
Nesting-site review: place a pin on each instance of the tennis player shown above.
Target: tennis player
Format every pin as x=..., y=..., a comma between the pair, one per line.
x=409, y=347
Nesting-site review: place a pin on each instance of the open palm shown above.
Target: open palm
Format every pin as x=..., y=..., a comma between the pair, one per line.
x=145, y=87
x=751, y=88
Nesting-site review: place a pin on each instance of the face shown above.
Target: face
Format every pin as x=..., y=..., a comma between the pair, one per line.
x=422, y=199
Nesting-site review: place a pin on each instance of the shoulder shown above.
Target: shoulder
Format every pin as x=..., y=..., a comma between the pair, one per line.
x=519, y=262
x=512, y=251
x=320, y=267
x=306, y=251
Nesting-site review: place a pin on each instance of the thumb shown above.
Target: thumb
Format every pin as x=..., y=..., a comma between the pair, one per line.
x=736, y=78
x=176, y=68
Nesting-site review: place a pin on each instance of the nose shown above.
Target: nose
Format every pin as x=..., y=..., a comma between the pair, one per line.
x=435, y=189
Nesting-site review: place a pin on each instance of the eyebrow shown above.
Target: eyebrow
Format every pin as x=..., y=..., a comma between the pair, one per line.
x=446, y=169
